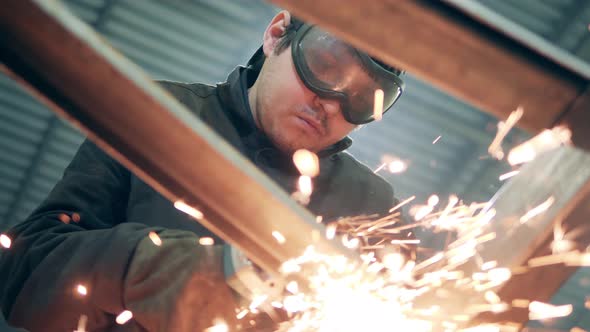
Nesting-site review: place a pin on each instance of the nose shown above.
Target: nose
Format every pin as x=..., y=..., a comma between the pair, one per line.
x=330, y=106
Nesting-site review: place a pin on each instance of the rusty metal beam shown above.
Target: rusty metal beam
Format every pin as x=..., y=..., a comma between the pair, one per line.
x=85, y=80
x=466, y=58
x=561, y=174
x=577, y=118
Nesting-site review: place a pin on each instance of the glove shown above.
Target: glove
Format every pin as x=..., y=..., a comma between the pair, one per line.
x=179, y=285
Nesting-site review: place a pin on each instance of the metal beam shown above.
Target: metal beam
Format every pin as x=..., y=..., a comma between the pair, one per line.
x=443, y=46
x=565, y=176
x=577, y=118
x=561, y=174
x=85, y=80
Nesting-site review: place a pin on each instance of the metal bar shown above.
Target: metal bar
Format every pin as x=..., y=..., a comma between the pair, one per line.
x=561, y=174
x=577, y=118
x=454, y=52
x=547, y=47
x=86, y=81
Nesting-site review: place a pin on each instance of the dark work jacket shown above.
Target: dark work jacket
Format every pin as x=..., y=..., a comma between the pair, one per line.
x=116, y=210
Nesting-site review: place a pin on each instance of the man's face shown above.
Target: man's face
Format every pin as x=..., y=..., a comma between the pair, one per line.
x=290, y=114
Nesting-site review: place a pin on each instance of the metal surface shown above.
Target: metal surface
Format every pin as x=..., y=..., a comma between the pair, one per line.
x=578, y=119
x=461, y=56
x=526, y=37
x=561, y=174
x=53, y=57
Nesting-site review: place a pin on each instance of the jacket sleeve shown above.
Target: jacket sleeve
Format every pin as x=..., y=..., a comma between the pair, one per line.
x=74, y=237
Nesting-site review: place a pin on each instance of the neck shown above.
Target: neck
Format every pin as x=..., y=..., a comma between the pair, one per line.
x=252, y=93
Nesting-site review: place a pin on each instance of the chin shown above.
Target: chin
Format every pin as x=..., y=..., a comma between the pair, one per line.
x=294, y=145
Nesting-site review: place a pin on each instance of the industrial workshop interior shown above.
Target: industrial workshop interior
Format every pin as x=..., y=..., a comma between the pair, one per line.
x=207, y=165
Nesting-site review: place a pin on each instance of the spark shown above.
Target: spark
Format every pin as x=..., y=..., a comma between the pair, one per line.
x=416, y=241
x=306, y=162
x=82, y=324
x=331, y=231
x=499, y=274
x=539, y=310
x=394, y=261
x=404, y=202
x=242, y=314
x=305, y=186
x=489, y=265
x=257, y=301
x=350, y=243
x=206, y=241
x=521, y=154
x=5, y=241
x=492, y=297
x=82, y=290
x=191, y=211
x=421, y=212
x=279, y=237
x=124, y=317
x=453, y=200
x=380, y=167
x=548, y=139
x=292, y=287
x=495, y=148
x=433, y=200
x=561, y=246
x=397, y=166
x=579, y=260
x=436, y=139
x=537, y=210
x=387, y=284
x=424, y=210
x=552, y=259
x=482, y=328
x=155, y=238
x=508, y=175
x=294, y=303
x=378, y=105
x=432, y=260
x=218, y=326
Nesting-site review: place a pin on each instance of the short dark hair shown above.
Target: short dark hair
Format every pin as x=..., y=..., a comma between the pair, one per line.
x=288, y=35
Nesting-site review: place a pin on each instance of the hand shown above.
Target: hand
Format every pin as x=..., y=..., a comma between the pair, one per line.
x=179, y=285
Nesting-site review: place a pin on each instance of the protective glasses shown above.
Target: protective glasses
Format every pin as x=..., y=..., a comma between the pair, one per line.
x=332, y=69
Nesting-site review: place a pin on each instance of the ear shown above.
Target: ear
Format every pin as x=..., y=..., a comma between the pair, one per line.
x=275, y=30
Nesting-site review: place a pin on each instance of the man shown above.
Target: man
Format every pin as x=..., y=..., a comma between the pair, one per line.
x=303, y=89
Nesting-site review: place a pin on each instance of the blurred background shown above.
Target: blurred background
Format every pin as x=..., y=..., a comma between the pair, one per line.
x=442, y=140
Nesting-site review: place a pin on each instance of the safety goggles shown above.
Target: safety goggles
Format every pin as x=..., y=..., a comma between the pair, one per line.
x=333, y=69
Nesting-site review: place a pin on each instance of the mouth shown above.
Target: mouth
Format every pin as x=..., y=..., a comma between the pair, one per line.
x=311, y=125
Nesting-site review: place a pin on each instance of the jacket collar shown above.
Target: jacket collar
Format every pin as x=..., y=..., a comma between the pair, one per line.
x=234, y=95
